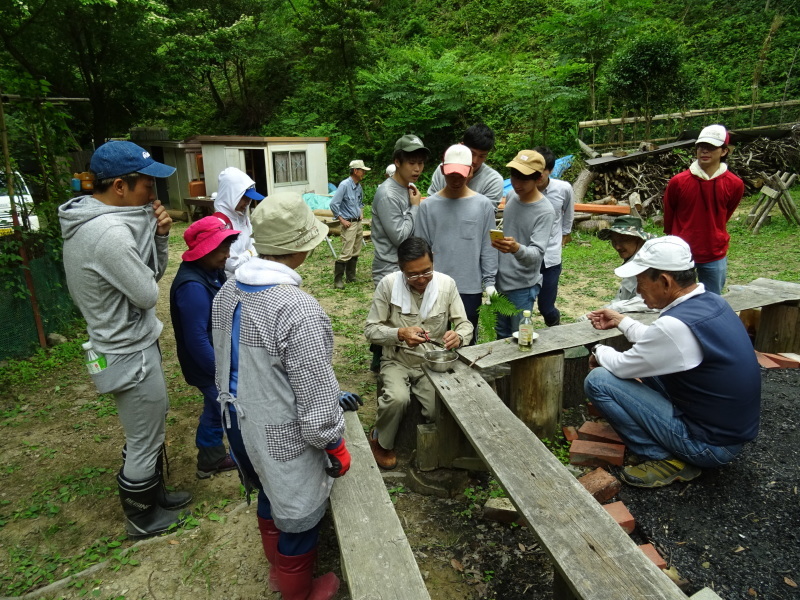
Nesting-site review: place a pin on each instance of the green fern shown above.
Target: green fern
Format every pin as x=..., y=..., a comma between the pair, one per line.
x=487, y=315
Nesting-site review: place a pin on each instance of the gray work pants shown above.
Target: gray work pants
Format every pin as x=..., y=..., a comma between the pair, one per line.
x=137, y=382
x=399, y=382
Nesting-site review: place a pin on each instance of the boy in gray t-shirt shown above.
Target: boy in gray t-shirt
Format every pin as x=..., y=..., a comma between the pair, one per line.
x=527, y=220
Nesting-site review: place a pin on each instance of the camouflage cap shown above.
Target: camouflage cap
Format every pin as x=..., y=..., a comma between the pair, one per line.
x=626, y=225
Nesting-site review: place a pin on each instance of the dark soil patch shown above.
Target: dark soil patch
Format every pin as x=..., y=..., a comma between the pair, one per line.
x=737, y=529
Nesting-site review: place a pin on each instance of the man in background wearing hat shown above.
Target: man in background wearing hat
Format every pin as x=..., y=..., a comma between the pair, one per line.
x=527, y=224
x=699, y=202
x=273, y=346
x=199, y=278
x=115, y=251
x=627, y=236
x=455, y=222
x=347, y=206
x=235, y=193
x=687, y=395
x=394, y=209
x=479, y=138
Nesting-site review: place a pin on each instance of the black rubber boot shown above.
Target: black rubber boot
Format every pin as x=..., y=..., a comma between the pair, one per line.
x=143, y=515
x=350, y=271
x=338, y=274
x=166, y=499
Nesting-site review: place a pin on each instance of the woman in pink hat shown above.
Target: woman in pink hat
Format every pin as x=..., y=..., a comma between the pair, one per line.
x=198, y=280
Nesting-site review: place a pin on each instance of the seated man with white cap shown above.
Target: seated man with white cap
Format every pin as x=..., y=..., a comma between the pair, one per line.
x=687, y=395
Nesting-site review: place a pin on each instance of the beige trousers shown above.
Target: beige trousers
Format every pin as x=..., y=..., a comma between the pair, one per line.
x=351, y=241
x=399, y=382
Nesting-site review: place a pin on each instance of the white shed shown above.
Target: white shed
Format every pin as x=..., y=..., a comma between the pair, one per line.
x=276, y=164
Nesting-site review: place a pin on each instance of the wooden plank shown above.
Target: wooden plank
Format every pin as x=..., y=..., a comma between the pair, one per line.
x=596, y=559
x=604, y=209
x=759, y=292
x=634, y=156
x=377, y=560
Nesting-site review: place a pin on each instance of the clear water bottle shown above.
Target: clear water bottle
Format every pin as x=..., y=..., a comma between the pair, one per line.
x=94, y=361
x=526, y=332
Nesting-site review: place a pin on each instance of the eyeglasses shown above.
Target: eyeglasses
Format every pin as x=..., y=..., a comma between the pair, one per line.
x=426, y=274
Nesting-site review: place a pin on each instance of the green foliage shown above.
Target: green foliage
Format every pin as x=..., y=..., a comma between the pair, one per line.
x=477, y=496
x=647, y=74
x=28, y=371
x=487, y=315
x=559, y=447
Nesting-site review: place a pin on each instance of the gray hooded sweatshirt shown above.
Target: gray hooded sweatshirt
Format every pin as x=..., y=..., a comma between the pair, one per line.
x=113, y=261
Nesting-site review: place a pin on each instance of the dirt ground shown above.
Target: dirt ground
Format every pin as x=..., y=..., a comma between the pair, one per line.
x=735, y=529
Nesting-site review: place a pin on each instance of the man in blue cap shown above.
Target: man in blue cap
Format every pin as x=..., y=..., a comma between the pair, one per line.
x=115, y=251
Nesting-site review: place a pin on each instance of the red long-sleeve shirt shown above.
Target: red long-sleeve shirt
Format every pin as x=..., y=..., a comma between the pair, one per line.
x=697, y=211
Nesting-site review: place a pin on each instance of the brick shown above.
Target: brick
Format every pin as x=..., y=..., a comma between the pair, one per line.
x=596, y=454
x=600, y=484
x=621, y=515
x=570, y=433
x=598, y=432
x=784, y=362
x=502, y=510
x=651, y=553
x=766, y=362
x=593, y=410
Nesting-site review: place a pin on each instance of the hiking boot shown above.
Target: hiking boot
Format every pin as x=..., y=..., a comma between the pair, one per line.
x=226, y=464
x=386, y=459
x=658, y=473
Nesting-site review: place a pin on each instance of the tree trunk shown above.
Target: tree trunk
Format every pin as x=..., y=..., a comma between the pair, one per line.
x=581, y=185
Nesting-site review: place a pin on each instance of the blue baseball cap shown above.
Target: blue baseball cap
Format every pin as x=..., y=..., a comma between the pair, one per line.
x=114, y=159
x=253, y=194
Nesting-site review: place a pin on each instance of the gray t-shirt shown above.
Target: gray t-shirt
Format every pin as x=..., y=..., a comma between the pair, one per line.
x=392, y=223
x=529, y=224
x=486, y=181
x=559, y=193
x=458, y=233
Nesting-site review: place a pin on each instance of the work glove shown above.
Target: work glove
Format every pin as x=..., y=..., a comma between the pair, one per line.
x=488, y=293
x=339, y=457
x=350, y=401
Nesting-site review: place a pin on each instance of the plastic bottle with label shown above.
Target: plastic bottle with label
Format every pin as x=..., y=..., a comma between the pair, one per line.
x=94, y=361
x=526, y=332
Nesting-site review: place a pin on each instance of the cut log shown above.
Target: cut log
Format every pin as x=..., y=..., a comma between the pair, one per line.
x=581, y=184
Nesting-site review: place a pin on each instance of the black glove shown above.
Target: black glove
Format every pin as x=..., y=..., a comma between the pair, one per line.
x=350, y=401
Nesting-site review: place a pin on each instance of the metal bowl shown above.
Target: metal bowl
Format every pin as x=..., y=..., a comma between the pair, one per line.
x=440, y=361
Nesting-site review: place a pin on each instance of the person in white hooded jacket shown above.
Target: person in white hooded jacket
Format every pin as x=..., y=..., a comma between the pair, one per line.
x=232, y=205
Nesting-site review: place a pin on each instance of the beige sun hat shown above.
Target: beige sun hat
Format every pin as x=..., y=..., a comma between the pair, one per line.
x=284, y=224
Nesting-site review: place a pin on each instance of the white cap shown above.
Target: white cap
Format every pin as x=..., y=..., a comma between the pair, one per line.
x=716, y=135
x=668, y=253
x=457, y=159
x=390, y=170
x=359, y=164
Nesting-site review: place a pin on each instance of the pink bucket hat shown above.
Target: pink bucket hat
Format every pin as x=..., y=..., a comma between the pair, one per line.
x=205, y=236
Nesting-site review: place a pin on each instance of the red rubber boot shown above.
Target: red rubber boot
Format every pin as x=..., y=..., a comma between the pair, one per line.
x=295, y=578
x=269, y=539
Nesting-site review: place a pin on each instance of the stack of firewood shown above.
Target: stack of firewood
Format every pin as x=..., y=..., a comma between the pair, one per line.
x=641, y=183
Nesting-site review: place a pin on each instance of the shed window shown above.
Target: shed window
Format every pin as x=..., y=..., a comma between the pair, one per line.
x=289, y=167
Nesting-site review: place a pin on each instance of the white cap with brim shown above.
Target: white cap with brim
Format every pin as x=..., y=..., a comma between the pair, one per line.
x=284, y=224
x=668, y=253
x=716, y=135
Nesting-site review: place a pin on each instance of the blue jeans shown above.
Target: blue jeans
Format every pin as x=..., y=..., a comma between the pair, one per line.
x=643, y=416
x=547, y=296
x=523, y=299
x=712, y=274
x=289, y=544
x=209, y=429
